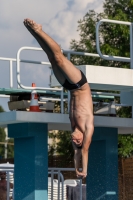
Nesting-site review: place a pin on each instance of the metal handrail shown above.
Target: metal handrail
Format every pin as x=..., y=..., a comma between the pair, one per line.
x=59, y=170
x=36, y=88
x=18, y=70
x=60, y=176
x=11, y=60
x=51, y=171
x=115, y=58
x=18, y=74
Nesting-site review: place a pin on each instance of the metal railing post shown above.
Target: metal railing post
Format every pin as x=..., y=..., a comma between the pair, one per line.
x=62, y=101
x=107, y=57
x=52, y=175
x=60, y=177
x=68, y=103
x=131, y=51
x=59, y=184
x=8, y=186
x=68, y=56
x=11, y=74
x=131, y=45
x=80, y=189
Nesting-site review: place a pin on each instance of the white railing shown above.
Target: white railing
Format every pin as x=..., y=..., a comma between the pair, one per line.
x=11, y=60
x=59, y=170
x=51, y=171
x=115, y=58
x=60, y=185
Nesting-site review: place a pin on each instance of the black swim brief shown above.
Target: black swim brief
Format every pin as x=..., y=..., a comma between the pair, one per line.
x=70, y=86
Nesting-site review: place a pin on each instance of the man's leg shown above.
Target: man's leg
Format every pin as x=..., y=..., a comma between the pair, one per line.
x=57, y=72
x=53, y=51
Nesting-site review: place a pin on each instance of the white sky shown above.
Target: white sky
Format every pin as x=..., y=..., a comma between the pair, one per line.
x=59, y=19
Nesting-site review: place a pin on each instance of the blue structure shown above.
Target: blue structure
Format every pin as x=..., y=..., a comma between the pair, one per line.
x=102, y=179
x=31, y=160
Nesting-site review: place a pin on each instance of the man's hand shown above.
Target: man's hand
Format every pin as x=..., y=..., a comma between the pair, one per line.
x=81, y=174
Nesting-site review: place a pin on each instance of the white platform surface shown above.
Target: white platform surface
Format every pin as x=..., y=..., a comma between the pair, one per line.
x=57, y=121
x=105, y=78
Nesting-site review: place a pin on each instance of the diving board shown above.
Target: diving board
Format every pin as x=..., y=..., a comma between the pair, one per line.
x=44, y=93
x=22, y=92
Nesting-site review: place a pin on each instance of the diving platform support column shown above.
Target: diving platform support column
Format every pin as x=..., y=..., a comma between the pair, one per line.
x=102, y=179
x=31, y=160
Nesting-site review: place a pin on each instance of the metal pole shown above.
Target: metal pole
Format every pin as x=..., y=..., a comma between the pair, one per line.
x=62, y=180
x=68, y=57
x=80, y=189
x=52, y=176
x=131, y=46
x=11, y=75
x=68, y=102
x=58, y=184
x=6, y=141
x=108, y=57
x=8, y=186
x=62, y=102
x=131, y=51
x=51, y=99
x=105, y=94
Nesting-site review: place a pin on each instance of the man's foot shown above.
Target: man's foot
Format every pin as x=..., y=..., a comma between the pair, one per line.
x=34, y=29
x=31, y=25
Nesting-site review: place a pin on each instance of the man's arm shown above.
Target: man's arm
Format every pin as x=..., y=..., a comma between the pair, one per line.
x=85, y=148
x=83, y=153
x=77, y=158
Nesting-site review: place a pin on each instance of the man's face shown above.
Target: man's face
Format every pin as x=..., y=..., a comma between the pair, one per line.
x=2, y=175
x=77, y=139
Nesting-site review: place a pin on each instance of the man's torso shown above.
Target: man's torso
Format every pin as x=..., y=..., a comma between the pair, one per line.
x=81, y=106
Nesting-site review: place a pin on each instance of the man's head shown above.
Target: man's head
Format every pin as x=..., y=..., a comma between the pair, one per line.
x=77, y=139
x=2, y=175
